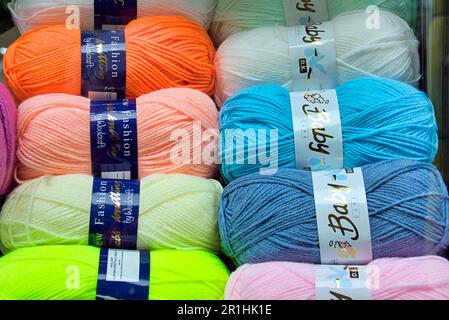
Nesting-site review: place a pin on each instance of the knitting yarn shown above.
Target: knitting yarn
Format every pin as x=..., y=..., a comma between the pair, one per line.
x=54, y=134
x=423, y=278
x=232, y=16
x=272, y=218
x=43, y=273
x=8, y=119
x=261, y=56
x=161, y=52
x=176, y=212
x=30, y=14
x=391, y=120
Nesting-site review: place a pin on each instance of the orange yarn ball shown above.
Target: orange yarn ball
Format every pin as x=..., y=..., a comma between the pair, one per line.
x=53, y=134
x=162, y=52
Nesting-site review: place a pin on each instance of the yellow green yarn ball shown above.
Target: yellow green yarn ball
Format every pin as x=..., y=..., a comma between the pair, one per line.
x=71, y=272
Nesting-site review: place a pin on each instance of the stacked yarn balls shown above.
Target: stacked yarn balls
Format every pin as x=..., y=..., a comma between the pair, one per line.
x=265, y=222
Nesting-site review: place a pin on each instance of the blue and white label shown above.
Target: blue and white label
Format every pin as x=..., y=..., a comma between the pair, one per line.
x=317, y=130
x=313, y=57
x=113, y=139
x=302, y=12
x=342, y=217
x=114, y=14
x=103, y=65
x=114, y=214
x=342, y=283
x=123, y=275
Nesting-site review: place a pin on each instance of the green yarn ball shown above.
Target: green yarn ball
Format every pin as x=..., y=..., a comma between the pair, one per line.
x=70, y=273
x=232, y=16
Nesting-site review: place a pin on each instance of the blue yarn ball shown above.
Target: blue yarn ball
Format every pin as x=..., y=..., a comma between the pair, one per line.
x=381, y=120
x=272, y=218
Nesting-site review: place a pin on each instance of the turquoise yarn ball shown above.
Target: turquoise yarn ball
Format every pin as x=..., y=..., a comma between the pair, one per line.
x=381, y=120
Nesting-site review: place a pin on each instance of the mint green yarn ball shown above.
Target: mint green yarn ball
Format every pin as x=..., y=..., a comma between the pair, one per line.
x=232, y=16
x=406, y=9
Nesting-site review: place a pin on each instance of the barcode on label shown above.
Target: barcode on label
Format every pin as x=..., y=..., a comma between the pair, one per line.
x=98, y=95
x=123, y=266
x=120, y=175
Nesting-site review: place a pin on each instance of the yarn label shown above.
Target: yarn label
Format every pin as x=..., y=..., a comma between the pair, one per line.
x=317, y=130
x=103, y=65
x=313, y=57
x=113, y=139
x=114, y=14
x=302, y=12
x=123, y=275
x=342, y=283
x=342, y=217
x=114, y=214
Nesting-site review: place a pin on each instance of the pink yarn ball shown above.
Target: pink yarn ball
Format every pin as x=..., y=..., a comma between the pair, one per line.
x=8, y=118
x=424, y=278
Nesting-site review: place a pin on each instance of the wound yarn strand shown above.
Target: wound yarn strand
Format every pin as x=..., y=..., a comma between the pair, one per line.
x=391, y=120
x=422, y=278
x=161, y=52
x=261, y=56
x=30, y=14
x=175, y=212
x=272, y=218
x=40, y=273
x=47, y=147
x=232, y=16
x=8, y=119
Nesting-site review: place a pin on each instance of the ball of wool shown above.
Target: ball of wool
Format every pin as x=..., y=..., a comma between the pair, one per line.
x=272, y=218
x=54, y=134
x=41, y=273
x=30, y=14
x=8, y=115
x=423, y=278
x=176, y=212
x=161, y=52
x=391, y=120
x=261, y=56
x=232, y=16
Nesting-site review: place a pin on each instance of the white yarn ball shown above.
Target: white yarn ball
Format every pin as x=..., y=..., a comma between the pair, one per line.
x=261, y=56
x=30, y=14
